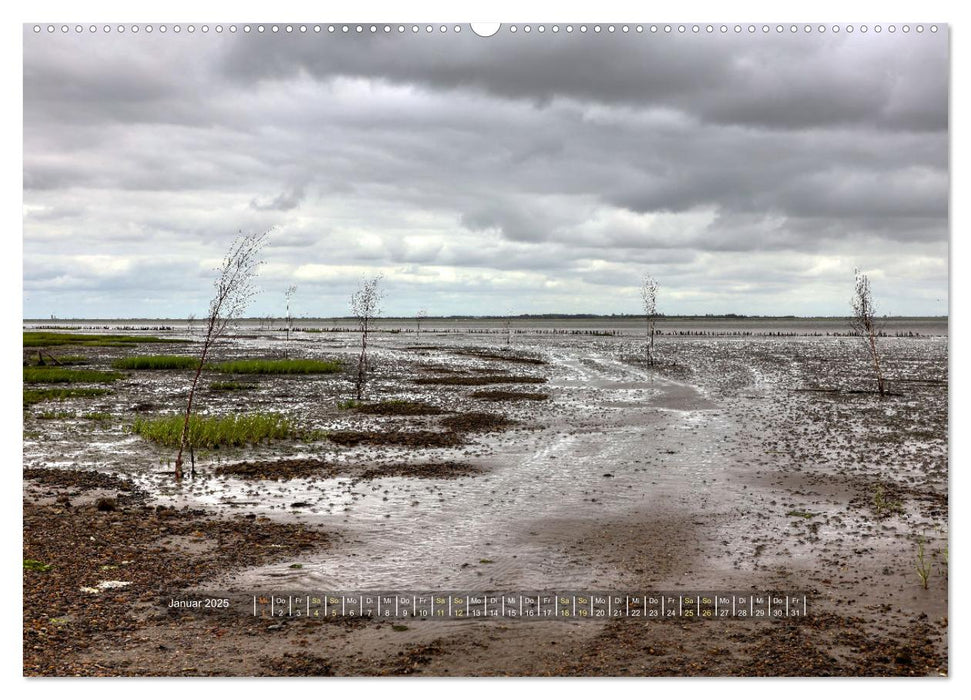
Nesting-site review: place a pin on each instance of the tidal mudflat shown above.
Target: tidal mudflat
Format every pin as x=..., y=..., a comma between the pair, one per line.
x=749, y=458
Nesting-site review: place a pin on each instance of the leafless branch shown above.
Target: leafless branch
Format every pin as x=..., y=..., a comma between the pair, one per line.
x=234, y=290
x=649, y=289
x=863, y=323
x=365, y=306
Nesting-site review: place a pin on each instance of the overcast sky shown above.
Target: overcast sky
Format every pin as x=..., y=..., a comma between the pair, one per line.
x=517, y=173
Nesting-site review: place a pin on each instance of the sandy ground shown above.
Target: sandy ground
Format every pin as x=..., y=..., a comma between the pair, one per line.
x=715, y=471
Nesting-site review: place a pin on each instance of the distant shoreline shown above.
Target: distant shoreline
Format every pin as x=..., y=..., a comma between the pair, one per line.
x=523, y=317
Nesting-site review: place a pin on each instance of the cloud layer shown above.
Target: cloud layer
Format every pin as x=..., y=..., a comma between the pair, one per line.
x=538, y=173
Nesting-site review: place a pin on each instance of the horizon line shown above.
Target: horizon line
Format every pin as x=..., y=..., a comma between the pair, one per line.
x=549, y=316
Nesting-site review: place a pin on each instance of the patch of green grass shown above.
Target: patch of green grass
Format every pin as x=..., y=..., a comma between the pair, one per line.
x=348, y=404
x=47, y=339
x=54, y=415
x=34, y=396
x=884, y=504
x=923, y=565
x=231, y=386
x=99, y=416
x=59, y=375
x=156, y=362
x=278, y=367
x=34, y=565
x=220, y=431
x=801, y=514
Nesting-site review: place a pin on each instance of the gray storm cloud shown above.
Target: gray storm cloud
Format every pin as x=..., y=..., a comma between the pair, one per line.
x=546, y=172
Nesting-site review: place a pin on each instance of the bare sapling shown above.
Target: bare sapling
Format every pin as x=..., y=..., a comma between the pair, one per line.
x=649, y=299
x=863, y=323
x=291, y=290
x=365, y=306
x=419, y=317
x=233, y=291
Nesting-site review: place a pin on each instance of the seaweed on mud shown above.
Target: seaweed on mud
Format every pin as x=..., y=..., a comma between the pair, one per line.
x=398, y=408
x=479, y=381
x=476, y=422
x=499, y=395
x=428, y=470
x=416, y=438
x=84, y=480
x=285, y=469
x=514, y=359
x=278, y=469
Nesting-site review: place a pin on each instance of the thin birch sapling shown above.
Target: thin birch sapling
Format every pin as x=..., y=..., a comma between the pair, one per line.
x=365, y=306
x=233, y=292
x=863, y=323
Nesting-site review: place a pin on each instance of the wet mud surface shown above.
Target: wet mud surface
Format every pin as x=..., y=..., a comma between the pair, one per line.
x=715, y=470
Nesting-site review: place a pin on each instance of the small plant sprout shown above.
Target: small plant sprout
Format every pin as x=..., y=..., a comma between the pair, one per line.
x=885, y=505
x=365, y=306
x=291, y=290
x=923, y=564
x=649, y=299
x=419, y=317
x=863, y=323
x=233, y=292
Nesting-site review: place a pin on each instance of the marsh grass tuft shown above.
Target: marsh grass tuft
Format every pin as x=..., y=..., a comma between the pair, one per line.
x=278, y=367
x=54, y=415
x=231, y=386
x=34, y=565
x=47, y=339
x=156, y=362
x=220, y=431
x=923, y=564
x=58, y=375
x=884, y=505
x=801, y=514
x=99, y=416
x=34, y=396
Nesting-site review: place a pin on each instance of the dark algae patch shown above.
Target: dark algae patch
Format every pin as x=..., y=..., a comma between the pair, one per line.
x=476, y=422
x=279, y=469
x=79, y=480
x=499, y=395
x=398, y=408
x=480, y=380
x=499, y=357
x=414, y=438
x=430, y=470
x=300, y=468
